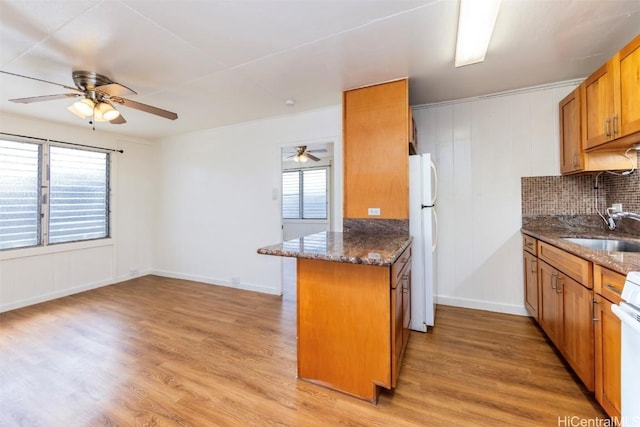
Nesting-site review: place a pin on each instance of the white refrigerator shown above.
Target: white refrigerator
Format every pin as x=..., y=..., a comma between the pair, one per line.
x=423, y=226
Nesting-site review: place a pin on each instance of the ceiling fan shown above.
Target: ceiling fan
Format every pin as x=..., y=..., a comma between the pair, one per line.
x=95, y=96
x=302, y=154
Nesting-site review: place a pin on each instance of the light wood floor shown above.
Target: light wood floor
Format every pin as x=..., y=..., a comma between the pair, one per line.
x=164, y=352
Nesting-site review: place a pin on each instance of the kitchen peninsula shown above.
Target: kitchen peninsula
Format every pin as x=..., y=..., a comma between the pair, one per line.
x=353, y=308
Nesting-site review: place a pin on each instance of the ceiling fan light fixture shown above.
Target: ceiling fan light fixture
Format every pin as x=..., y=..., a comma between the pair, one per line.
x=300, y=158
x=105, y=112
x=476, y=21
x=82, y=108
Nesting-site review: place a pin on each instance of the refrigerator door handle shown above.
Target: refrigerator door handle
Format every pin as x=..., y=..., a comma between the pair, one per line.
x=437, y=232
x=435, y=183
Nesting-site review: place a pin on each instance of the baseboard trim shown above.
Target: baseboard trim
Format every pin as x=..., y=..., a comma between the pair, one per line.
x=519, y=310
x=54, y=295
x=219, y=282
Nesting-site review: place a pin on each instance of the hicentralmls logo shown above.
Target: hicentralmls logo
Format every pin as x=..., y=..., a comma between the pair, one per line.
x=575, y=421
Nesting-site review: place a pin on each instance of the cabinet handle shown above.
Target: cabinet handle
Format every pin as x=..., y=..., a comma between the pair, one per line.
x=529, y=244
x=607, y=132
x=593, y=310
x=558, y=289
x=575, y=160
x=615, y=124
x=554, y=281
x=613, y=288
x=534, y=262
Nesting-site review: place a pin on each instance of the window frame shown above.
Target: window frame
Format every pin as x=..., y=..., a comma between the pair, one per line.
x=44, y=199
x=301, y=172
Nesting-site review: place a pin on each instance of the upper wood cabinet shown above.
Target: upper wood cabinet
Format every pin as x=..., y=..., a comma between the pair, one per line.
x=610, y=104
x=376, y=135
x=573, y=128
x=570, y=134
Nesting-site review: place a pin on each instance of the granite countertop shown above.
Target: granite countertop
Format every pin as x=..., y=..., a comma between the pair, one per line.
x=351, y=247
x=621, y=262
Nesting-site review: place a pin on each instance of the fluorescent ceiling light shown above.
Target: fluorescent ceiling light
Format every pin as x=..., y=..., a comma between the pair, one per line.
x=475, y=26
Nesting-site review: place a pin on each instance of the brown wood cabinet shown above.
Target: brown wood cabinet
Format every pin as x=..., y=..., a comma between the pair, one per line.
x=530, y=264
x=376, y=135
x=353, y=323
x=610, y=100
x=550, y=309
x=607, y=287
x=565, y=307
x=573, y=157
x=401, y=312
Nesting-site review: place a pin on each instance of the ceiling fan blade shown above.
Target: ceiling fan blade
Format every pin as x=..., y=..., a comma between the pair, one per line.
x=118, y=120
x=144, y=107
x=44, y=98
x=116, y=89
x=320, y=150
x=41, y=80
x=312, y=157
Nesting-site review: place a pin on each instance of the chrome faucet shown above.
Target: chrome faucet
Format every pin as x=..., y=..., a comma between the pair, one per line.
x=613, y=215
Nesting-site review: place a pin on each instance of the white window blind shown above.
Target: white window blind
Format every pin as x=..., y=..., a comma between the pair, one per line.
x=19, y=194
x=291, y=195
x=304, y=194
x=78, y=195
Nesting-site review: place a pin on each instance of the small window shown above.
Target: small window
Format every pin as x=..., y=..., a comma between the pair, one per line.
x=304, y=194
x=78, y=194
x=68, y=203
x=19, y=194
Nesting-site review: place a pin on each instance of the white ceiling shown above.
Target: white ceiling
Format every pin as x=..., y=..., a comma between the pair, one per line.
x=219, y=62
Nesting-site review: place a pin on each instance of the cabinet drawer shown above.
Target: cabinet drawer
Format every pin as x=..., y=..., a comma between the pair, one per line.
x=608, y=283
x=529, y=244
x=575, y=267
x=399, y=266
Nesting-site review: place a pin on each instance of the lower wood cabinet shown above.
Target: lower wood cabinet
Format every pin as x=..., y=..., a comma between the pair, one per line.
x=565, y=314
x=571, y=299
x=353, y=323
x=607, y=347
x=530, y=264
x=607, y=286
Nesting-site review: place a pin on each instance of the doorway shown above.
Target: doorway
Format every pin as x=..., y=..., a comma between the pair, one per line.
x=306, y=198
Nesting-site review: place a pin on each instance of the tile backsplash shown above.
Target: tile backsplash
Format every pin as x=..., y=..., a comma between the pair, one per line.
x=575, y=194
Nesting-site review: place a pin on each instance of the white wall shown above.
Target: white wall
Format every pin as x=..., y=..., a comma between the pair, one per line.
x=220, y=198
x=32, y=275
x=482, y=148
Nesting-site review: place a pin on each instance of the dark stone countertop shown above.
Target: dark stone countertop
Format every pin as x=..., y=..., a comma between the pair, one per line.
x=353, y=247
x=553, y=232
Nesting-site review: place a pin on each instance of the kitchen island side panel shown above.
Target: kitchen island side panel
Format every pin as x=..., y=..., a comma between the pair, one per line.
x=344, y=326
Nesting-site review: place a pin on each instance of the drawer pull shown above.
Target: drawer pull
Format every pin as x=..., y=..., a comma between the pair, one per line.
x=534, y=263
x=613, y=288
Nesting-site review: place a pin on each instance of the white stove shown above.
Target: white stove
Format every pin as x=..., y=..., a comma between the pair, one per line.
x=629, y=313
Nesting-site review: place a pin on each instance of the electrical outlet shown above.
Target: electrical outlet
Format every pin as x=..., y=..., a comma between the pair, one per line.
x=134, y=272
x=373, y=211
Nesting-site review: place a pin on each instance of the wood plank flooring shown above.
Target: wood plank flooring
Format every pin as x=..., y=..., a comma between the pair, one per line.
x=163, y=352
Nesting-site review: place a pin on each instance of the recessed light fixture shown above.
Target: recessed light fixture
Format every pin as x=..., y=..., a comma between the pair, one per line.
x=289, y=102
x=475, y=26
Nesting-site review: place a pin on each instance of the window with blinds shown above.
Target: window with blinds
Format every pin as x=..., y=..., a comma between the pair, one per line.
x=304, y=194
x=19, y=194
x=78, y=195
x=68, y=203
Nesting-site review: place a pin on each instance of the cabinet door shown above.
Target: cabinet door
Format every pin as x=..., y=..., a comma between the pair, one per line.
x=531, y=283
x=627, y=90
x=607, y=347
x=406, y=306
x=577, y=328
x=396, y=331
x=376, y=151
x=550, y=303
x=571, y=159
x=597, y=104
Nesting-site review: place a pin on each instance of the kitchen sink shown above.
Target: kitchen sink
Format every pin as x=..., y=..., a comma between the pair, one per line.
x=612, y=245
